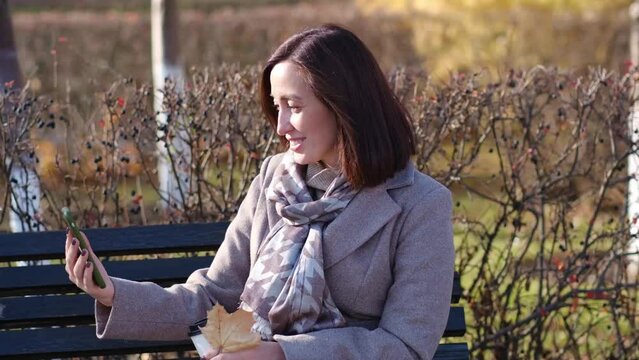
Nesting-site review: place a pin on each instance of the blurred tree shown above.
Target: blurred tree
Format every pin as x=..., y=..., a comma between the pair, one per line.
x=468, y=34
x=173, y=177
x=9, y=68
x=25, y=188
x=633, y=160
x=439, y=5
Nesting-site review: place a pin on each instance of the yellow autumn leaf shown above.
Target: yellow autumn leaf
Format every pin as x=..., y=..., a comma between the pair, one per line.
x=230, y=332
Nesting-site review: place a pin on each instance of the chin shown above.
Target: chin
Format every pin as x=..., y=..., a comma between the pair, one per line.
x=302, y=159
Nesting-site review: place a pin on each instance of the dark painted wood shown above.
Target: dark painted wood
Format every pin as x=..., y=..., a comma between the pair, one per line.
x=453, y=351
x=51, y=343
x=456, y=325
x=49, y=310
x=74, y=342
x=52, y=279
x=152, y=239
x=31, y=324
x=457, y=289
x=60, y=310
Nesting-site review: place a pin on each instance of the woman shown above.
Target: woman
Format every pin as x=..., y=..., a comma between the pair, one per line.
x=340, y=248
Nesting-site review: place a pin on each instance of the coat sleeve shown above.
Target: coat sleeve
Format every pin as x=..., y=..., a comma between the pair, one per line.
x=417, y=304
x=147, y=311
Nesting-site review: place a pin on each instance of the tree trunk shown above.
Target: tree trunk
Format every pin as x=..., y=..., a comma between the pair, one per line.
x=25, y=187
x=172, y=173
x=633, y=160
x=9, y=68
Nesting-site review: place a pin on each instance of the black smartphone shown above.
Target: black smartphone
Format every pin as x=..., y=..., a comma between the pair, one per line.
x=68, y=217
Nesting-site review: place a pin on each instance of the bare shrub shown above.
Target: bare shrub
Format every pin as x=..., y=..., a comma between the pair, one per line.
x=536, y=161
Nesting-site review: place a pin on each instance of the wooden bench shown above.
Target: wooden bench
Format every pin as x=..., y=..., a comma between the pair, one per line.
x=43, y=315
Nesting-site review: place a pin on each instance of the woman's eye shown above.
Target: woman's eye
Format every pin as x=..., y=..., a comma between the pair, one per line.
x=295, y=109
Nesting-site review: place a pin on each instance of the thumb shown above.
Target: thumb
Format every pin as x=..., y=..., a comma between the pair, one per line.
x=211, y=354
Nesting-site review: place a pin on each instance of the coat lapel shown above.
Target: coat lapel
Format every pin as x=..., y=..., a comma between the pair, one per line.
x=369, y=211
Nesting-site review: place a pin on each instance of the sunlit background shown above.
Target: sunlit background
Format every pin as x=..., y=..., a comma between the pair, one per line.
x=75, y=44
x=520, y=106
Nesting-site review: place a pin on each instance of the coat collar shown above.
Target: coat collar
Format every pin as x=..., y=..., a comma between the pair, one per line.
x=368, y=212
x=403, y=177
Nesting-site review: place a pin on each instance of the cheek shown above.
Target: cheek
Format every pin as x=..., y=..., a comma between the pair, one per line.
x=330, y=130
x=297, y=122
x=319, y=126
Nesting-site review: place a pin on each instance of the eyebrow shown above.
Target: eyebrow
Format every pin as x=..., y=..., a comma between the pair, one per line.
x=288, y=97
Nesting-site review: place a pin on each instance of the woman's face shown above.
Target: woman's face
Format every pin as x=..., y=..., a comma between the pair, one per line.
x=308, y=125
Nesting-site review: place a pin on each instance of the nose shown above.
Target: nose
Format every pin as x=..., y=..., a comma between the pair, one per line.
x=283, y=122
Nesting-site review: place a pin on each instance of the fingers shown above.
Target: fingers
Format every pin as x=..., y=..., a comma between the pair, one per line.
x=211, y=354
x=68, y=241
x=96, y=261
x=88, y=275
x=76, y=262
x=94, y=258
x=71, y=256
x=76, y=259
x=67, y=244
x=79, y=270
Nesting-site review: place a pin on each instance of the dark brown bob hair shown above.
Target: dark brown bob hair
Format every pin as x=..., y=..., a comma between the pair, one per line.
x=375, y=136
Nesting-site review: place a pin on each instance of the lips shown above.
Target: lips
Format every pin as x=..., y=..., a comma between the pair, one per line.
x=296, y=143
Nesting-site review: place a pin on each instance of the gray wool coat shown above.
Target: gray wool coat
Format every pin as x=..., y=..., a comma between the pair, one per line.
x=388, y=263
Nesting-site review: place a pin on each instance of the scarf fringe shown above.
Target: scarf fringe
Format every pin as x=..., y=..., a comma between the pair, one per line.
x=262, y=326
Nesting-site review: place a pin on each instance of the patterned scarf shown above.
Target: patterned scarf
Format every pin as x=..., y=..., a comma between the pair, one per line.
x=286, y=288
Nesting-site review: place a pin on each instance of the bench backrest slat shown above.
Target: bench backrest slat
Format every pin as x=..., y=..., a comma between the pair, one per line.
x=52, y=279
x=84, y=343
x=153, y=239
x=41, y=311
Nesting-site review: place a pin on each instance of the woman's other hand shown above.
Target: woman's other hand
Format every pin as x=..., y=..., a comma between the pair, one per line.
x=81, y=271
x=265, y=350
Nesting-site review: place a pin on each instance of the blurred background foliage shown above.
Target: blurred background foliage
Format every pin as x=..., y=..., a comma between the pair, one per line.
x=69, y=46
x=536, y=163
x=535, y=157
x=453, y=35
x=72, y=51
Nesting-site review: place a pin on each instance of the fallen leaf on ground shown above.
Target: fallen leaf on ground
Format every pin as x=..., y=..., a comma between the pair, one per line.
x=230, y=332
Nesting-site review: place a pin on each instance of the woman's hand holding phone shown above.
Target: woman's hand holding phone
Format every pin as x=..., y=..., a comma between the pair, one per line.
x=80, y=264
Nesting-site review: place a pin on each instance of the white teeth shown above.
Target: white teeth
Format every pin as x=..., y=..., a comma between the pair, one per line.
x=295, y=144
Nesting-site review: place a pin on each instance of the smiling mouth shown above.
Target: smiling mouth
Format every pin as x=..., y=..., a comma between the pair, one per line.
x=295, y=144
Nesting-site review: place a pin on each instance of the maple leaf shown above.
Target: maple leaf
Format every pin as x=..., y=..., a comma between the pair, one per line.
x=230, y=332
